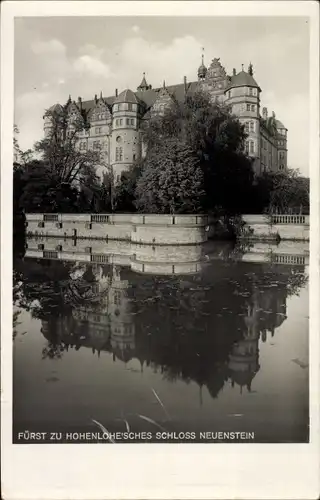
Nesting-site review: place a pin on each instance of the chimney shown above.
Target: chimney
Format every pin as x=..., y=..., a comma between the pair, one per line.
x=185, y=84
x=264, y=113
x=234, y=72
x=116, y=92
x=96, y=98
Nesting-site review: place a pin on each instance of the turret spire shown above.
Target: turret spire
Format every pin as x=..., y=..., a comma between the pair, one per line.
x=143, y=85
x=202, y=70
x=250, y=69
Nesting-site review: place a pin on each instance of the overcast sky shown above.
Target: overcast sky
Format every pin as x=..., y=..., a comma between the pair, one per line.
x=81, y=56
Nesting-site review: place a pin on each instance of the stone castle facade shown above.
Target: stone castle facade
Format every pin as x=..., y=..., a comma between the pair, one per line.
x=112, y=125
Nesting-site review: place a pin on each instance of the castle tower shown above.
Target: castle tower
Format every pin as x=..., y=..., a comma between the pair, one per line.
x=143, y=85
x=244, y=358
x=125, y=144
x=122, y=326
x=202, y=70
x=243, y=96
x=282, y=145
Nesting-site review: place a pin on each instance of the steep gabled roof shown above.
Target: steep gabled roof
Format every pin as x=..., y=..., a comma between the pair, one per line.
x=243, y=79
x=127, y=96
x=279, y=124
x=147, y=97
x=56, y=108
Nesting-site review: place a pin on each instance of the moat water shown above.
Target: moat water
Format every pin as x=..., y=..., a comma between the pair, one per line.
x=224, y=349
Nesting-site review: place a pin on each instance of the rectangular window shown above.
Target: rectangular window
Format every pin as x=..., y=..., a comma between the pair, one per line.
x=251, y=147
x=134, y=157
x=251, y=126
x=129, y=106
x=253, y=108
x=98, y=130
x=128, y=121
x=229, y=94
x=250, y=91
x=120, y=121
x=248, y=107
x=117, y=298
x=132, y=121
x=247, y=147
x=119, y=154
x=246, y=127
x=116, y=107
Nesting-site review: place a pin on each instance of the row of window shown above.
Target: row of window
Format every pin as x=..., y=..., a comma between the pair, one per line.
x=99, y=116
x=119, y=153
x=251, y=107
x=96, y=145
x=129, y=121
x=252, y=92
x=250, y=147
x=124, y=107
x=249, y=127
x=281, y=143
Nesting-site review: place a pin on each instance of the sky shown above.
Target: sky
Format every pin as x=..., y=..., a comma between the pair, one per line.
x=82, y=56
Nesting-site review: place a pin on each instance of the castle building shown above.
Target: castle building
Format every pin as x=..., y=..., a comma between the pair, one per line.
x=112, y=125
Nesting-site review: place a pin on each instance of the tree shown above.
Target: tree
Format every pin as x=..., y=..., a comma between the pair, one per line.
x=61, y=169
x=290, y=192
x=171, y=181
x=124, y=192
x=282, y=192
x=217, y=138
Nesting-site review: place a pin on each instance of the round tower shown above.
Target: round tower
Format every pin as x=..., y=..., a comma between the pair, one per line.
x=125, y=144
x=282, y=145
x=243, y=97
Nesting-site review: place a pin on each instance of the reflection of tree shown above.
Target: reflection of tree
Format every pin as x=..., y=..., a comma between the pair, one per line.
x=51, y=291
x=296, y=280
x=56, y=287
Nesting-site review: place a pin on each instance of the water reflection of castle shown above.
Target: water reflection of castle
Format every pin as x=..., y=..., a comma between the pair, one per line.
x=180, y=328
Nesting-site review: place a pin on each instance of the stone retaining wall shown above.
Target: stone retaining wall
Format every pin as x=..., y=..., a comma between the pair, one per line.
x=283, y=227
x=152, y=229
